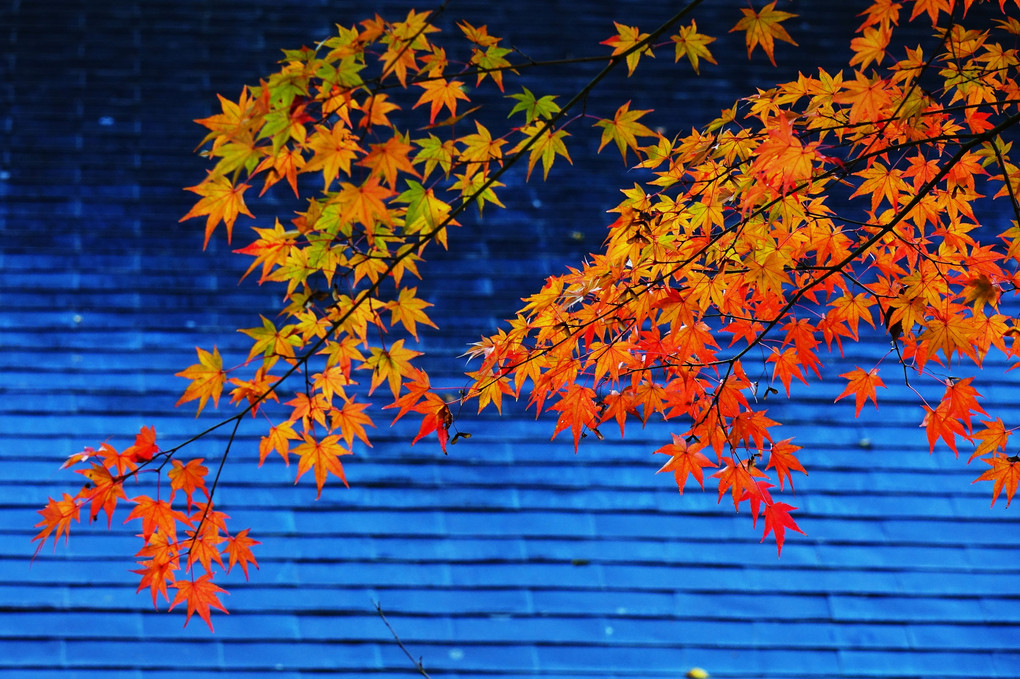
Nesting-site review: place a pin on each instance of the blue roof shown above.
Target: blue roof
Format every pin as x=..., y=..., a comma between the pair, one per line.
x=511, y=557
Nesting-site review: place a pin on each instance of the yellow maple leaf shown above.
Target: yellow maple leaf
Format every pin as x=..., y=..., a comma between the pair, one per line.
x=409, y=310
x=207, y=378
x=391, y=365
x=693, y=45
x=624, y=130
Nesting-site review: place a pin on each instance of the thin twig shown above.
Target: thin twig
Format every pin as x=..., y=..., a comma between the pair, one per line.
x=417, y=663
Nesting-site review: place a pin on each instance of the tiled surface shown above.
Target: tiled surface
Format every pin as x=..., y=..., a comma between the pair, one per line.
x=512, y=557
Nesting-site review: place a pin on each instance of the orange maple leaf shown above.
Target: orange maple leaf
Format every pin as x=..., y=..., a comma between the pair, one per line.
x=156, y=575
x=1005, y=471
x=440, y=93
x=389, y=159
x=738, y=478
x=199, y=595
x=437, y=419
x=763, y=29
x=57, y=516
x=145, y=446
x=104, y=492
x=188, y=478
x=239, y=549
x=577, y=411
x=334, y=149
x=862, y=385
x=221, y=202
x=941, y=423
x=324, y=457
x=782, y=459
x=278, y=439
x=787, y=366
x=351, y=421
x=685, y=459
x=270, y=250
x=993, y=437
x=157, y=515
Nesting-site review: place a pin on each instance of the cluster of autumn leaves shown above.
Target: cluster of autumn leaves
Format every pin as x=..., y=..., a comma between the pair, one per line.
x=753, y=244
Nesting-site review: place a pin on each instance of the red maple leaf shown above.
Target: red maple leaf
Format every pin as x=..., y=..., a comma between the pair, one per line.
x=198, y=595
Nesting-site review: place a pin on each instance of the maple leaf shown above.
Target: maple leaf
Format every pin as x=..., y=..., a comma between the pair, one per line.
x=207, y=378
x=693, y=45
x=882, y=12
x=787, y=366
x=145, y=446
x=738, y=478
x=685, y=459
x=437, y=419
x=272, y=342
x=188, y=478
x=104, y=492
x=941, y=423
x=492, y=62
x=221, y=202
x=256, y=390
x=324, y=457
x=199, y=595
x=388, y=159
x=533, y=109
x=762, y=28
x=376, y=108
x=881, y=182
x=782, y=459
x=1005, y=472
x=156, y=575
x=993, y=436
x=961, y=400
x=270, y=250
x=624, y=129
x=239, y=549
x=625, y=40
x=156, y=515
x=862, y=385
x=408, y=310
x=351, y=420
x=57, y=516
x=440, y=93
x=932, y=7
x=870, y=47
x=577, y=410
x=777, y=520
x=121, y=462
x=331, y=382
x=278, y=439
x=547, y=146
x=949, y=331
x=203, y=544
x=853, y=309
x=391, y=365
x=334, y=150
